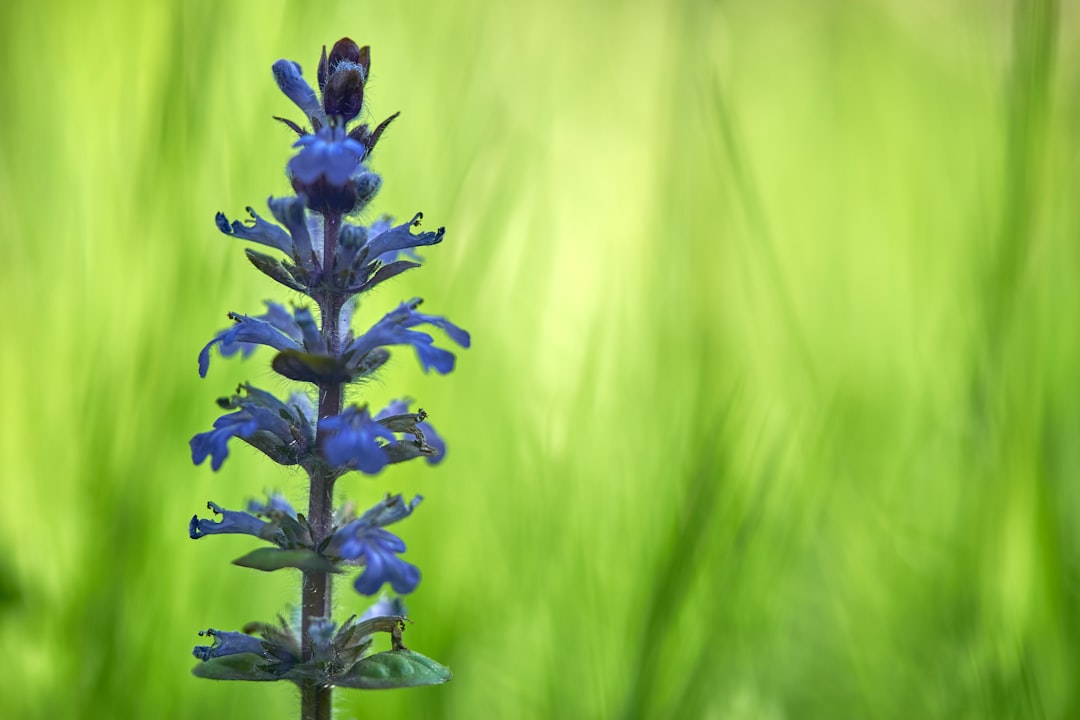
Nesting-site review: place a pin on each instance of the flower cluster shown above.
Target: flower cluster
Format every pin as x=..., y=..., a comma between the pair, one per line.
x=333, y=262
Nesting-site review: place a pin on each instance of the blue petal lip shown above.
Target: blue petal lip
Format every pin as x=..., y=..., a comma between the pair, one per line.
x=433, y=358
x=371, y=541
x=403, y=577
x=256, y=415
x=242, y=424
x=455, y=333
x=394, y=329
x=365, y=541
x=215, y=443
x=328, y=154
x=378, y=551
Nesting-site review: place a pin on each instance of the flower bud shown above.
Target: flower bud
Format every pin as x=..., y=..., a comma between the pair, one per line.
x=367, y=185
x=344, y=93
x=342, y=79
x=346, y=50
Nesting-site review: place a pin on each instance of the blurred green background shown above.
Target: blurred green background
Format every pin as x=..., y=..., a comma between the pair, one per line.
x=773, y=407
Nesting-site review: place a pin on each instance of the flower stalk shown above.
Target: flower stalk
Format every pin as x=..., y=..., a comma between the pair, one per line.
x=315, y=700
x=333, y=262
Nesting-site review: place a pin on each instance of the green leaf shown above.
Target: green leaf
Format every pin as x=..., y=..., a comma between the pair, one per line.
x=309, y=367
x=394, y=669
x=274, y=269
x=269, y=559
x=241, y=666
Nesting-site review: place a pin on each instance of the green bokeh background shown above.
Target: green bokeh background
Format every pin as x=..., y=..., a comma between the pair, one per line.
x=772, y=410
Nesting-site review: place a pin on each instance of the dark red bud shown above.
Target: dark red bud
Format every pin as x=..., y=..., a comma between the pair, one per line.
x=344, y=50
x=344, y=93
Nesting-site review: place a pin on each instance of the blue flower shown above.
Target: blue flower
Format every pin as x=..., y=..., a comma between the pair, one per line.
x=378, y=550
x=296, y=242
x=368, y=256
x=246, y=330
x=282, y=527
x=328, y=154
x=283, y=432
x=394, y=329
x=298, y=331
x=233, y=522
x=259, y=231
x=275, y=314
x=361, y=442
x=354, y=441
x=277, y=328
x=227, y=642
x=215, y=443
x=328, y=174
x=385, y=242
x=364, y=541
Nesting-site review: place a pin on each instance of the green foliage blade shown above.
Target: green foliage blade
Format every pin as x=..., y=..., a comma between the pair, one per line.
x=309, y=367
x=270, y=559
x=394, y=669
x=272, y=267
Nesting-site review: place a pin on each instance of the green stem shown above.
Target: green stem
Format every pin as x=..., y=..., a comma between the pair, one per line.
x=315, y=700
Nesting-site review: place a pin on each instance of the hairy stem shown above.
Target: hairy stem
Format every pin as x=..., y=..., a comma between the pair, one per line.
x=315, y=700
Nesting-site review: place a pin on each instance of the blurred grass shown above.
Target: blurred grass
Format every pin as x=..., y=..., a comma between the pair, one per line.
x=772, y=409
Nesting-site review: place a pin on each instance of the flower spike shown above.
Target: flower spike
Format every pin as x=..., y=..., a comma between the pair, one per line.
x=319, y=250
